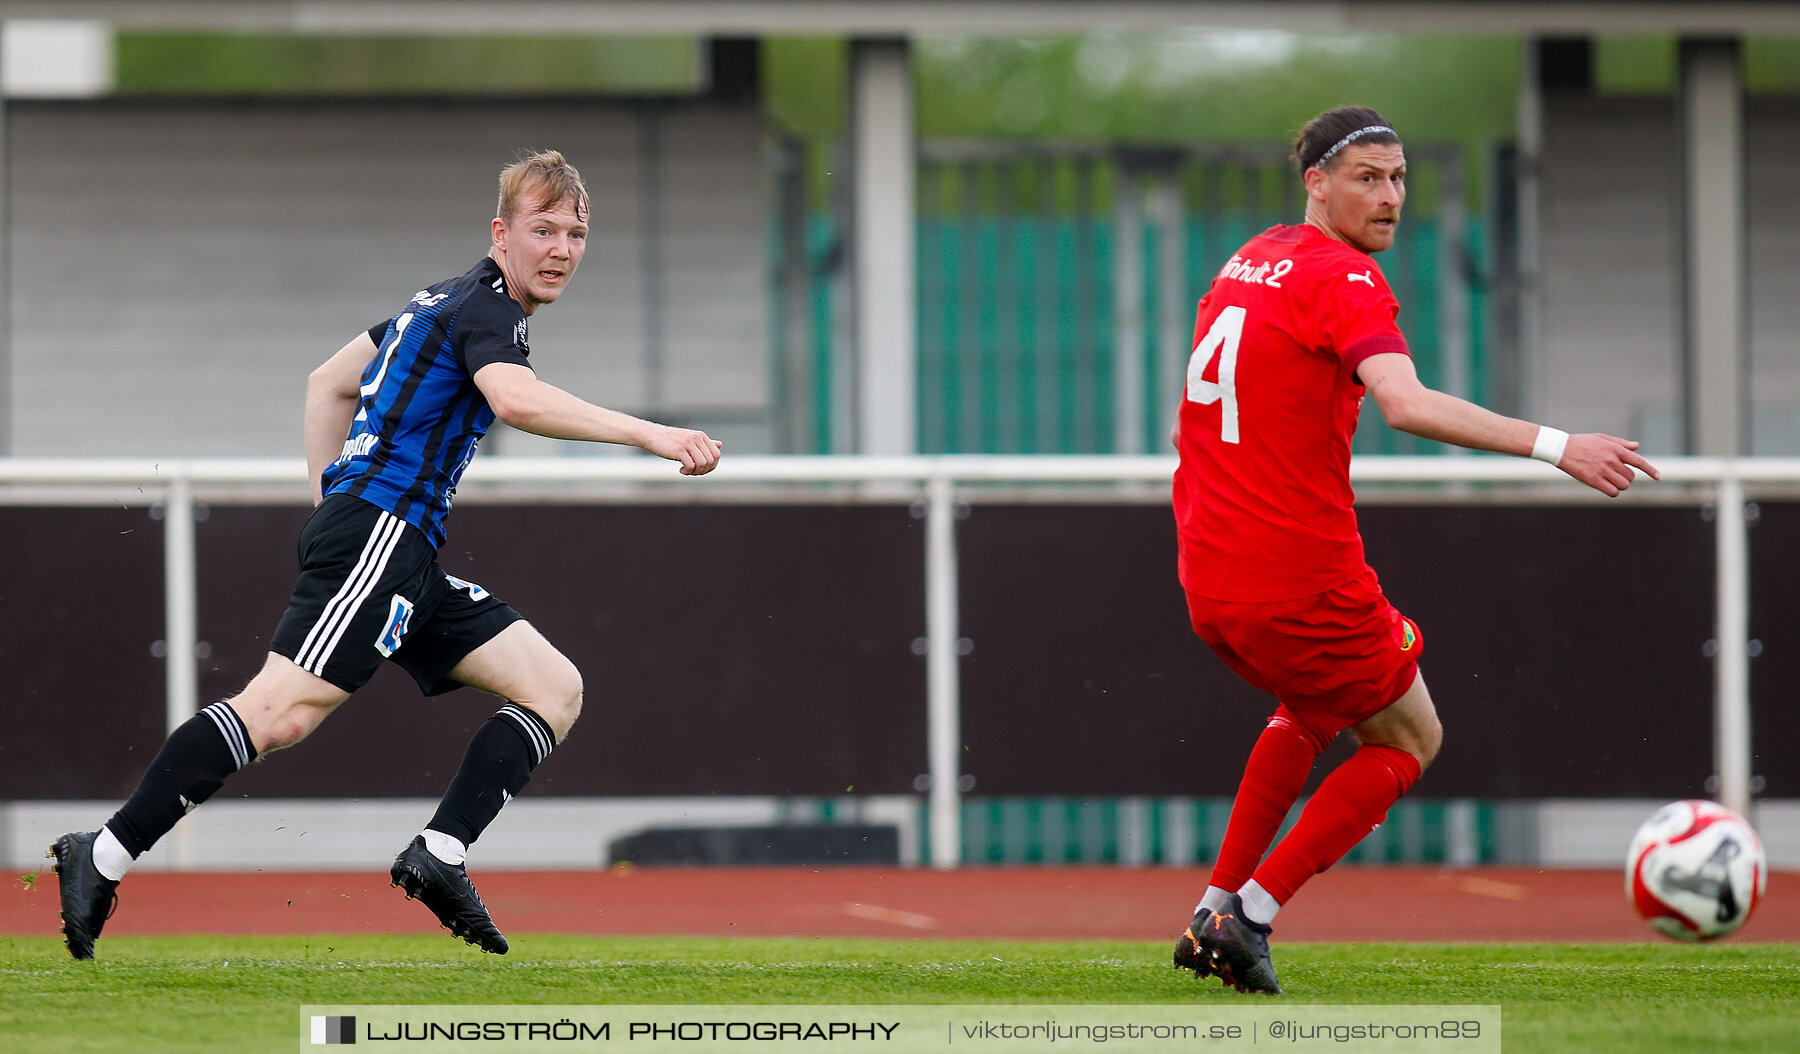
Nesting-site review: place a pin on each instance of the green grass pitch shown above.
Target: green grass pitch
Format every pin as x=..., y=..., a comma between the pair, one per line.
x=243, y=993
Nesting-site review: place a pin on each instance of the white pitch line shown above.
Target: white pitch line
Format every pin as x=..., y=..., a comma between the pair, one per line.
x=1488, y=887
x=909, y=919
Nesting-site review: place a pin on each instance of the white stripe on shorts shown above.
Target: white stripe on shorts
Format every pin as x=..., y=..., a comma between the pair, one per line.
x=323, y=638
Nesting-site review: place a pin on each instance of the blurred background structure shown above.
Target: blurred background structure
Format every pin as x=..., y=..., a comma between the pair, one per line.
x=202, y=197
x=861, y=227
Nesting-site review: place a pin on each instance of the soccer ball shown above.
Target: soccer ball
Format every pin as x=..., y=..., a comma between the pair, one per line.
x=1695, y=870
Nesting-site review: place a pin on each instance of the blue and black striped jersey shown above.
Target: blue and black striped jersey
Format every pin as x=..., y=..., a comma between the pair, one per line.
x=421, y=415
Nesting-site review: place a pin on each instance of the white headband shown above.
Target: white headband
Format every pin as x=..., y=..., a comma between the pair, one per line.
x=1351, y=138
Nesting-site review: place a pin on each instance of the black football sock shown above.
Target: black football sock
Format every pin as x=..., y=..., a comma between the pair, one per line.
x=191, y=765
x=496, y=766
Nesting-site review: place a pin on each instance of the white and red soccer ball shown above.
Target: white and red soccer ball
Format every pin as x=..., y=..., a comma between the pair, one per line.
x=1695, y=870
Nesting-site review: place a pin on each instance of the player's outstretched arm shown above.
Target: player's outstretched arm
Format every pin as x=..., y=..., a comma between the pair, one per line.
x=528, y=404
x=1603, y=462
x=332, y=393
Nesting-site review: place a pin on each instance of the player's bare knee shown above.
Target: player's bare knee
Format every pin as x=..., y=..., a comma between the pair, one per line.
x=280, y=736
x=283, y=704
x=572, y=711
x=1424, y=741
x=277, y=731
x=557, y=696
x=1419, y=735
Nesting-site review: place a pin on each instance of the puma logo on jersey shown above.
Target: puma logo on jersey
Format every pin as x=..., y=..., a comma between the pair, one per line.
x=1364, y=277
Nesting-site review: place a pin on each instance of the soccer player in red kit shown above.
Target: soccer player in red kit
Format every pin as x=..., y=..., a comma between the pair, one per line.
x=1298, y=327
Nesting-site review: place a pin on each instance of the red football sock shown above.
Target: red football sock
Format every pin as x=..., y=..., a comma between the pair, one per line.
x=1351, y=802
x=1273, y=777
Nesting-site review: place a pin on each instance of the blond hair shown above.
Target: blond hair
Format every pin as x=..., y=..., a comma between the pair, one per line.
x=544, y=177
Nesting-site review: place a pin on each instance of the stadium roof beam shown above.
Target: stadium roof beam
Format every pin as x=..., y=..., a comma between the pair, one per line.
x=889, y=18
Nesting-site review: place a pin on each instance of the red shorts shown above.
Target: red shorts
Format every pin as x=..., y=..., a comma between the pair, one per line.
x=1334, y=658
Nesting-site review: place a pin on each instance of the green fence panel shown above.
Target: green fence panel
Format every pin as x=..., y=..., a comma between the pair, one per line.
x=1016, y=322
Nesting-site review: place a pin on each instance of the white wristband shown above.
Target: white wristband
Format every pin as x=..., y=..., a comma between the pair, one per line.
x=1550, y=444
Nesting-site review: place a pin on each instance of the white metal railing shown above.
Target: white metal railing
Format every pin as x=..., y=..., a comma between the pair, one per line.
x=937, y=480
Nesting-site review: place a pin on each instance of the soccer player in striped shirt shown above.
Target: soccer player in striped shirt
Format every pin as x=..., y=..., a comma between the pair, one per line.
x=392, y=420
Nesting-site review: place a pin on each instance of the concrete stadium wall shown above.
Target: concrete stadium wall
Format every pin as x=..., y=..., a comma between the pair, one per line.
x=1610, y=283
x=178, y=268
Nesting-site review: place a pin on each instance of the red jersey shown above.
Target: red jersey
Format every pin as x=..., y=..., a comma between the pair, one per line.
x=1262, y=496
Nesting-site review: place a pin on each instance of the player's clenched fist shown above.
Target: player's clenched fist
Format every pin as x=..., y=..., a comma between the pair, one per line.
x=697, y=451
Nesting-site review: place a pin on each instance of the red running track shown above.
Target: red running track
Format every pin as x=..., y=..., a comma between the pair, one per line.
x=1346, y=904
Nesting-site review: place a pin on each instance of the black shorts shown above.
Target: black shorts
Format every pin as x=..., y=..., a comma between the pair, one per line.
x=370, y=590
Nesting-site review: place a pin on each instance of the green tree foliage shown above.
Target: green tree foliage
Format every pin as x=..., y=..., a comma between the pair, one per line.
x=165, y=63
x=1217, y=86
